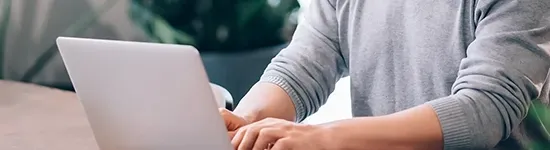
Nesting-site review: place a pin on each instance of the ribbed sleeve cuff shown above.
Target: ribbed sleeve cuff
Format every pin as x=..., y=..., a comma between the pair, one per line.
x=454, y=123
x=287, y=87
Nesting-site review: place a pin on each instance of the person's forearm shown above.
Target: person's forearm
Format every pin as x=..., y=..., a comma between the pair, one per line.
x=266, y=100
x=415, y=128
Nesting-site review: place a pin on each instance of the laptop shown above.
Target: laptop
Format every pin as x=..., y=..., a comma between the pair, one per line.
x=144, y=96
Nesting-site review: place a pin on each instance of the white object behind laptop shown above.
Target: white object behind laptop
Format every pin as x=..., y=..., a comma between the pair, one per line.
x=144, y=96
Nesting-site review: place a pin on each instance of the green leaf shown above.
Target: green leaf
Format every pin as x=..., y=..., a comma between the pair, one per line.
x=167, y=34
x=542, y=113
x=287, y=6
x=539, y=114
x=539, y=146
x=247, y=10
x=250, y=24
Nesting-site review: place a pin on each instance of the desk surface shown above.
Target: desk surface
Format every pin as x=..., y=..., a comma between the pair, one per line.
x=41, y=118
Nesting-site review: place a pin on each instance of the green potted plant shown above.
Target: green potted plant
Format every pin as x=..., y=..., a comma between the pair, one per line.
x=236, y=38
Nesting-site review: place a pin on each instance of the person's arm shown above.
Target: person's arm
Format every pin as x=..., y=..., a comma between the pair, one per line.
x=415, y=128
x=490, y=97
x=266, y=100
x=300, y=78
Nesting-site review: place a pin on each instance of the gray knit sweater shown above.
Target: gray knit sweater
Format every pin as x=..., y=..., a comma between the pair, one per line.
x=478, y=63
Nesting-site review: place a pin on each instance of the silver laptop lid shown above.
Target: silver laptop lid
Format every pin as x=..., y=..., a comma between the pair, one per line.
x=144, y=96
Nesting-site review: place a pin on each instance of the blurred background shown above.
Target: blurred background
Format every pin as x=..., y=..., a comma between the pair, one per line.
x=236, y=38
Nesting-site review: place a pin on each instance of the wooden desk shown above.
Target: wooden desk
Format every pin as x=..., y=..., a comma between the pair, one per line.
x=39, y=118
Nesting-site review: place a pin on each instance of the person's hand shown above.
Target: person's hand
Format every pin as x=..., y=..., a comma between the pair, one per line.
x=232, y=121
x=278, y=134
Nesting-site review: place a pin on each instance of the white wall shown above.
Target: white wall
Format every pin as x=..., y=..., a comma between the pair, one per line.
x=338, y=105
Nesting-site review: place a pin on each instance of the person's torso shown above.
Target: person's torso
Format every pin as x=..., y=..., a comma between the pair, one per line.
x=402, y=54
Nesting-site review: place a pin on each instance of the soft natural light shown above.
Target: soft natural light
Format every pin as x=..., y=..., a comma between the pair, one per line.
x=337, y=107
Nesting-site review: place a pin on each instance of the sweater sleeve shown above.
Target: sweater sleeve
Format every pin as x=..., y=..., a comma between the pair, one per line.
x=310, y=66
x=497, y=79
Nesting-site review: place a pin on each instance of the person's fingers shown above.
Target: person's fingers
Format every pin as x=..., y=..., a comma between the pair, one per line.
x=227, y=119
x=246, y=136
x=249, y=138
x=231, y=134
x=236, y=141
x=232, y=121
x=283, y=144
x=266, y=137
x=241, y=132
